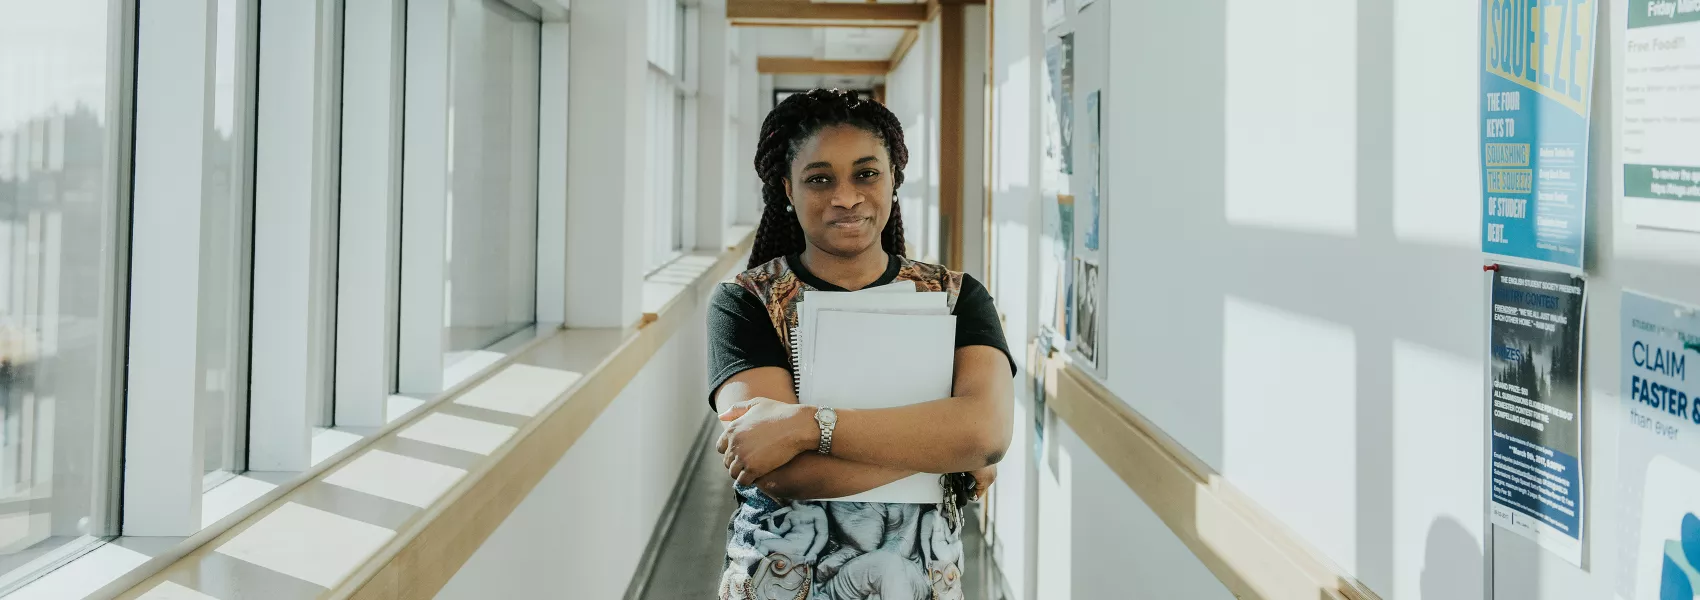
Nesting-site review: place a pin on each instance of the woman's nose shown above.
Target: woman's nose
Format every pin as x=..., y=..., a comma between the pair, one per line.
x=846, y=196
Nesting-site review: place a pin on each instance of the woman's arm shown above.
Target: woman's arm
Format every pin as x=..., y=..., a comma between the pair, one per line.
x=962, y=433
x=959, y=434
x=808, y=476
x=812, y=476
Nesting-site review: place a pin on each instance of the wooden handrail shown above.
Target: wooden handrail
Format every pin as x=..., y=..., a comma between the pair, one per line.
x=1252, y=553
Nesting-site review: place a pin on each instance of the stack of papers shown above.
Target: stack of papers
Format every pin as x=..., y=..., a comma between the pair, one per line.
x=877, y=348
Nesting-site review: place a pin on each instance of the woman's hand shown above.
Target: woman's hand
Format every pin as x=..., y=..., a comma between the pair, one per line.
x=762, y=435
x=983, y=479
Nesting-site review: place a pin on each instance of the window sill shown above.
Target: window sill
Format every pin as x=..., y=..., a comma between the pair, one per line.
x=96, y=567
x=663, y=287
x=448, y=472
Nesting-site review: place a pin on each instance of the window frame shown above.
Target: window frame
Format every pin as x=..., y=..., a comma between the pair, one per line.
x=673, y=34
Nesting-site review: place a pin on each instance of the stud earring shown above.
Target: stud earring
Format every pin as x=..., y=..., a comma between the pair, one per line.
x=788, y=208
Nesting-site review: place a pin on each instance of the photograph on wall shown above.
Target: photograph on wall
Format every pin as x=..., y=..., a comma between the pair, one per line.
x=1090, y=169
x=1039, y=398
x=1658, y=450
x=1063, y=254
x=1534, y=131
x=1660, y=119
x=1056, y=238
x=1535, y=399
x=1058, y=114
x=1086, y=309
x=1055, y=13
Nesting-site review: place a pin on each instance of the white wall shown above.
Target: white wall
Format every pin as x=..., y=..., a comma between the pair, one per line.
x=974, y=74
x=1296, y=292
x=910, y=93
x=582, y=530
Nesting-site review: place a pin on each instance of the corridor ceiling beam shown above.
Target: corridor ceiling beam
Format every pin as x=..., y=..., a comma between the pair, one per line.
x=781, y=65
x=796, y=13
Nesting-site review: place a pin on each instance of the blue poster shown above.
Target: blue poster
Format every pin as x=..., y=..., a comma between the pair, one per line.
x=1658, y=527
x=1535, y=398
x=1537, y=83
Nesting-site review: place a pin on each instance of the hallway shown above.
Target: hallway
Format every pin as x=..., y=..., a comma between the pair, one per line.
x=1243, y=299
x=689, y=558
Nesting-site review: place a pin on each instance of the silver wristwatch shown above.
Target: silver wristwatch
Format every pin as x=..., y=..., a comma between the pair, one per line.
x=827, y=419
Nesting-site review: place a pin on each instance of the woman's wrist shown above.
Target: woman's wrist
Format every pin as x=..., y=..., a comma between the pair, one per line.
x=807, y=430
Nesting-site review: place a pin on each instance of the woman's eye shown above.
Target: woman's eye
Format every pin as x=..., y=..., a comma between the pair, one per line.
x=868, y=174
x=816, y=180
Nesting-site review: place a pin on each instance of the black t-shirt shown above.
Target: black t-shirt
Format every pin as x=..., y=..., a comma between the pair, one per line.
x=741, y=335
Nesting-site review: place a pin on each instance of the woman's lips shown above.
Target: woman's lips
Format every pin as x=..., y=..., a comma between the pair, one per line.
x=849, y=223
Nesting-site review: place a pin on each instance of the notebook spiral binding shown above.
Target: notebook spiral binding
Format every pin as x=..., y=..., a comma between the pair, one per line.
x=796, y=365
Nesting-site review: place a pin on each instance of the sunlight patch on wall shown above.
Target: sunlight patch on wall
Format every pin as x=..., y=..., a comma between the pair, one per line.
x=1291, y=115
x=1437, y=474
x=1013, y=150
x=1289, y=393
x=1436, y=198
x=1056, y=508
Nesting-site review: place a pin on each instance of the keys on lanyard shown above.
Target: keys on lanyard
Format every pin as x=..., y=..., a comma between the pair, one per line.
x=953, y=501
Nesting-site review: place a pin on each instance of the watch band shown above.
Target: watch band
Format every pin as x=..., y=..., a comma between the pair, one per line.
x=827, y=419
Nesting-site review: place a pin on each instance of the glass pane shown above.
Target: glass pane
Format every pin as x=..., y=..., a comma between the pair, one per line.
x=492, y=209
x=56, y=258
x=224, y=201
x=676, y=237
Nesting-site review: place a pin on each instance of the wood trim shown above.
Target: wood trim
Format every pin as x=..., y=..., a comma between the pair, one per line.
x=1251, y=552
x=810, y=14
x=988, y=225
x=952, y=56
x=785, y=65
x=796, y=24
x=903, y=46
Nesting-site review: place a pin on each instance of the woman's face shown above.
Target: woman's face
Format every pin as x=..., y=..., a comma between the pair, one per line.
x=841, y=189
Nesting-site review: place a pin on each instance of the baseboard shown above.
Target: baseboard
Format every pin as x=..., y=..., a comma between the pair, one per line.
x=669, y=514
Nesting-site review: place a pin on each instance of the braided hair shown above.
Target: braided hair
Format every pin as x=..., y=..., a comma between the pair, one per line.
x=785, y=131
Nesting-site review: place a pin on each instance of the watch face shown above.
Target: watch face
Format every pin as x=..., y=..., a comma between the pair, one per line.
x=826, y=415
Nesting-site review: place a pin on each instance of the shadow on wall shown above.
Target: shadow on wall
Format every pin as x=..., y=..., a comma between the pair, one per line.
x=1452, y=562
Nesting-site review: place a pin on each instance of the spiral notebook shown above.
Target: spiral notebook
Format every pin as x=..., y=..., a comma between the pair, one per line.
x=877, y=351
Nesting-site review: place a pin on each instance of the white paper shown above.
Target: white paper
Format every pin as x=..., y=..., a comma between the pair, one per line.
x=916, y=303
x=1660, y=118
x=870, y=361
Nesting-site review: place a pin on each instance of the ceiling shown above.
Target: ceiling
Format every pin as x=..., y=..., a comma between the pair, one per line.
x=828, y=43
x=806, y=82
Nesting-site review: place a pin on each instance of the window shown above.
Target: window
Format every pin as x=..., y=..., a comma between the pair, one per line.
x=58, y=249
x=482, y=289
x=226, y=203
x=671, y=98
x=491, y=288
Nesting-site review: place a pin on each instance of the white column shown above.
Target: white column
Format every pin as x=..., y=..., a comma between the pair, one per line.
x=294, y=235
x=369, y=245
x=425, y=188
x=710, y=58
x=552, y=153
x=163, y=433
x=604, y=213
x=751, y=105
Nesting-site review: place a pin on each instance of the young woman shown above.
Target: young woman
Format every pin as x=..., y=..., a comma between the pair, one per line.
x=830, y=165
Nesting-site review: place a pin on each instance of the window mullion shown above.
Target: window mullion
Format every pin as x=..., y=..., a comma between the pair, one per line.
x=163, y=433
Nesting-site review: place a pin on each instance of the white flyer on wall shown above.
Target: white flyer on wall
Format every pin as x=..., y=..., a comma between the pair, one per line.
x=1659, y=451
x=1660, y=118
x=1055, y=12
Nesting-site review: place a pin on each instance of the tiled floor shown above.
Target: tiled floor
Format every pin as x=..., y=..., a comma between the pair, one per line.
x=691, y=556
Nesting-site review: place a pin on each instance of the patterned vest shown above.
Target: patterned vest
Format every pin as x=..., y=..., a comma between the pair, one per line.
x=798, y=550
